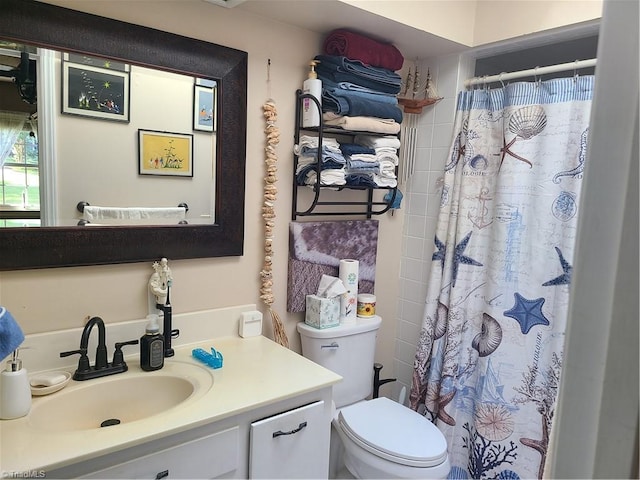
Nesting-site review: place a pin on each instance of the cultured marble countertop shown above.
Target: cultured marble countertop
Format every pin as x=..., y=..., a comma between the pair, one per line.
x=256, y=372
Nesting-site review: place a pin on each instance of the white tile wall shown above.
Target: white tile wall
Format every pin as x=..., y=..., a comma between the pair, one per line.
x=422, y=197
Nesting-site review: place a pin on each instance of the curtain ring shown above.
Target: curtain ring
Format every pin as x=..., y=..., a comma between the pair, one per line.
x=535, y=76
x=500, y=79
x=575, y=72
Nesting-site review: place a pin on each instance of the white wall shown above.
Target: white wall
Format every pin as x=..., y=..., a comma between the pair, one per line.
x=421, y=205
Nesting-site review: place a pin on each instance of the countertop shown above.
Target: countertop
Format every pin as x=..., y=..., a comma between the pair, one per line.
x=256, y=372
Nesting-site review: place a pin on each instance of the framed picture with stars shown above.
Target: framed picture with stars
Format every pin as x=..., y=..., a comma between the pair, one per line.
x=95, y=87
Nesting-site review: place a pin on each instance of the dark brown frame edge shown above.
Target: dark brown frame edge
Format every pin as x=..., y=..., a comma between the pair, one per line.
x=45, y=25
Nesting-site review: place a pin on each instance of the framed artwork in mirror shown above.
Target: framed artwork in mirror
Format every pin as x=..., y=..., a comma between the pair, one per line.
x=204, y=105
x=96, y=88
x=165, y=153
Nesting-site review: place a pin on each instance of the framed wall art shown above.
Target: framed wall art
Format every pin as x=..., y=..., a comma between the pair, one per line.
x=165, y=153
x=95, y=91
x=204, y=105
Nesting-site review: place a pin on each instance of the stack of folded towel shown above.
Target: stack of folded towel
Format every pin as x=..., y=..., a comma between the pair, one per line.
x=332, y=166
x=369, y=161
x=359, y=84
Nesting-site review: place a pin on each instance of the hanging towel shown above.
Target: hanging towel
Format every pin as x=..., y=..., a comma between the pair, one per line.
x=128, y=215
x=11, y=335
x=360, y=47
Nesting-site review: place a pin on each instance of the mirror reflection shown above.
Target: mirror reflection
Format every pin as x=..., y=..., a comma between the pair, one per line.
x=135, y=144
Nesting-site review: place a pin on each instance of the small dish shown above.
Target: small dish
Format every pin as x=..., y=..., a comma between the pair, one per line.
x=39, y=390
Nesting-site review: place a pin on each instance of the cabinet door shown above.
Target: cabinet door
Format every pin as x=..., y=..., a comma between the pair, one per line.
x=206, y=457
x=293, y=444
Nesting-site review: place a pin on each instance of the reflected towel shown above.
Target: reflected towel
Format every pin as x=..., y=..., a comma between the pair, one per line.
x=128, y=215
x=11, y=335
x=360, y=47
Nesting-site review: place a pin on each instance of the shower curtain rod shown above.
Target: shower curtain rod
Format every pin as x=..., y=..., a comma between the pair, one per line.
x=532, y=72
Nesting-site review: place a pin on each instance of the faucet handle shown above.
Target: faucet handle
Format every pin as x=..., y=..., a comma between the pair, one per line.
x=118, y=358
x=83, y=362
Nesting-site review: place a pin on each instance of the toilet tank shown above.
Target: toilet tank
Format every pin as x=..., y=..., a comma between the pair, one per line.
x=347, y=350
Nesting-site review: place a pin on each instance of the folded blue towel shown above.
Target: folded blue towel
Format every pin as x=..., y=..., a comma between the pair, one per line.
x=341, y=69
x=11, y=335
x=354, y=149
x=343, y=102
x=358, y=89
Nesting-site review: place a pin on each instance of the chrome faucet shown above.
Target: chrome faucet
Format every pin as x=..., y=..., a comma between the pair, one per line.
x=101, y=367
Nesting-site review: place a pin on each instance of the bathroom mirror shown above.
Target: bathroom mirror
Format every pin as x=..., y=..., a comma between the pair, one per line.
x=50, y=26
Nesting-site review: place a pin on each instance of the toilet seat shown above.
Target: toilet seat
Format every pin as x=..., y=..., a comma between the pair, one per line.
x=394, y=432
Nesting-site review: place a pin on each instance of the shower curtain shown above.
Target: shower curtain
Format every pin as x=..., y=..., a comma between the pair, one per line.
x=489, y=356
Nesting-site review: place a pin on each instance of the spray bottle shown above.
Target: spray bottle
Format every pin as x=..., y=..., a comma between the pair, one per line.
x=313, y=86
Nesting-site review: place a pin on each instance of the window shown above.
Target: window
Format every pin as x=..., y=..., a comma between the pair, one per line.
x=20, y=183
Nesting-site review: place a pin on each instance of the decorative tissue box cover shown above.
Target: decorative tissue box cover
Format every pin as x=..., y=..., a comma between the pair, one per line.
x=322, y=312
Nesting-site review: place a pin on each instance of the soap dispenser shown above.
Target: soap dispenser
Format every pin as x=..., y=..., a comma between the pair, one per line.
x=152, y=346
x=15, y=392
x=311, y=86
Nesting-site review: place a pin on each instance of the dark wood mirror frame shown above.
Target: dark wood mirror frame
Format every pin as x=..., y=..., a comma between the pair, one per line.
x=50, y=26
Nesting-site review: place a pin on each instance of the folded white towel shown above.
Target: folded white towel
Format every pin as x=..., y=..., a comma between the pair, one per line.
x=387, y=169
x=310, y=141
x=385, y=156
x=378, y=142
x=332, y=176
x=133, y=215
x=382, y=181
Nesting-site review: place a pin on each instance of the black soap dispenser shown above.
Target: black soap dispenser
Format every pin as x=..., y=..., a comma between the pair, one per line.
x=152, y=346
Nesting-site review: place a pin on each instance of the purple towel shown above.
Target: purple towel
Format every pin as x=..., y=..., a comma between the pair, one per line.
x=11, y=335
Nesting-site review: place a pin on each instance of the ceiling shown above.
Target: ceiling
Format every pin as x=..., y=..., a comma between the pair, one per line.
x=323, y=16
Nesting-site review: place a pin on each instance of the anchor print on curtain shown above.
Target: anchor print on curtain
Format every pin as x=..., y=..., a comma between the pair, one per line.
x=489, y=358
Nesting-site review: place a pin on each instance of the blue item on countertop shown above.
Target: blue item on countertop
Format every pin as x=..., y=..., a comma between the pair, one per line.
x=213, y=359
x=11, y=335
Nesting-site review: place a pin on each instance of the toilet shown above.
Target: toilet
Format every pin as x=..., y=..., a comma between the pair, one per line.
x=376, y=438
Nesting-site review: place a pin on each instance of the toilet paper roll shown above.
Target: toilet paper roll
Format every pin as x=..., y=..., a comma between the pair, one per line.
x=348, y=273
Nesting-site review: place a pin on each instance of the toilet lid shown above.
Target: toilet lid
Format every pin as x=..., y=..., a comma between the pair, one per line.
x=394, y=432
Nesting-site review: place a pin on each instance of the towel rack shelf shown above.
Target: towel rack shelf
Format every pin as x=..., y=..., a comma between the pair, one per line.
x=318, y=205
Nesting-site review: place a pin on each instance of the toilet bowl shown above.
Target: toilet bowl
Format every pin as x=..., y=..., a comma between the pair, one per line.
x=378, y=438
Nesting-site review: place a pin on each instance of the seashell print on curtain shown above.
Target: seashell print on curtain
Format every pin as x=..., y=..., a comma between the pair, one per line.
x=489, y=357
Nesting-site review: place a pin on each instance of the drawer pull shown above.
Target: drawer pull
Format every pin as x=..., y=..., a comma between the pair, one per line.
x=163, y=474
x=333, y=345
x=295, y=430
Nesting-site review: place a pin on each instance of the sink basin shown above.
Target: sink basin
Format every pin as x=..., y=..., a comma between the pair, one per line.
x=120, y=399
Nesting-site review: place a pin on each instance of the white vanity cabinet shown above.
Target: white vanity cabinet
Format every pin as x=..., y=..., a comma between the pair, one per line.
x=207, y=457
x=293, y=444
x=240, y=446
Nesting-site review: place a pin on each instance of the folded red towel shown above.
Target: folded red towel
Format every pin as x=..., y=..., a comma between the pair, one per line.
x=356, y=46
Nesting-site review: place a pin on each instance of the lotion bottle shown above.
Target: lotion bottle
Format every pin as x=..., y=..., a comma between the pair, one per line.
x=313, y=86
x=15, y=392
x=152, y=346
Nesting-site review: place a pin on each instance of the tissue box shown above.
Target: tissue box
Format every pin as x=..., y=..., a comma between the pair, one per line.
x=322, y=312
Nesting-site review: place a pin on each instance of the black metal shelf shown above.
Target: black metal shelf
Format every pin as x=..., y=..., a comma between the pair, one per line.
x=368, y=207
